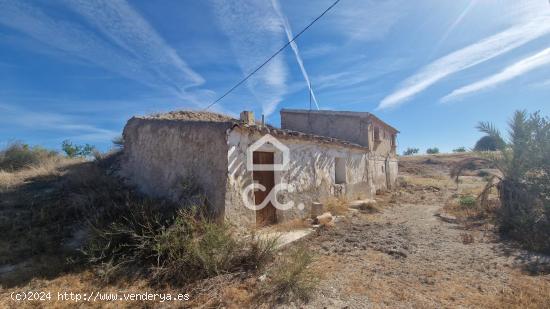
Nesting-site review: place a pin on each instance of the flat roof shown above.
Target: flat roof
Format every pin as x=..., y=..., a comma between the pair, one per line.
x=338, y=113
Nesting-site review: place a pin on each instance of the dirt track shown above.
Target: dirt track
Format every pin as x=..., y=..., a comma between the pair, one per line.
x=406, y=256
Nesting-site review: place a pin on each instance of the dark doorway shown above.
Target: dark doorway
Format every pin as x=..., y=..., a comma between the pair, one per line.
x=268, y=214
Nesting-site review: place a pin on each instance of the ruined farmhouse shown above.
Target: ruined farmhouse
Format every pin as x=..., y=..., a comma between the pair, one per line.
x=318, y=153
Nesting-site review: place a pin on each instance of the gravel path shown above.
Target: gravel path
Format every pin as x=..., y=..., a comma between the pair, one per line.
x=406, y=256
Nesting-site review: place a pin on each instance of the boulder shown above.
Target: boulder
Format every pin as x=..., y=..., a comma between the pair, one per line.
x=324, y=219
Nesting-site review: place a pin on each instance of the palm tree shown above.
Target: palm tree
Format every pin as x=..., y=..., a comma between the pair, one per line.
x=523, y=178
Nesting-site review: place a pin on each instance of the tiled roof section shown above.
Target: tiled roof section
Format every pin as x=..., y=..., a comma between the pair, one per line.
x=284, y=133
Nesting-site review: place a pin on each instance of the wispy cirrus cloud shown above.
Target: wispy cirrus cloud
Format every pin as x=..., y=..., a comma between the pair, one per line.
x=130, y=31
x=367, y=20
x=355, y=73
x=255, y=32
x=68, y=126
x=133, y=49
x=532, y=24
x=465, y=58
x=519, y=68
x=294, y=47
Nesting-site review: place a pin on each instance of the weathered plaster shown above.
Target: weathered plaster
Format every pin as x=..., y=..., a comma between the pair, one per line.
x=311, y=173
x=159, y=154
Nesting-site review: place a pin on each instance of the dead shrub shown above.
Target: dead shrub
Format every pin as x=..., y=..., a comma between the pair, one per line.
x=467, y=238
x=18, y=156
x=336, y=205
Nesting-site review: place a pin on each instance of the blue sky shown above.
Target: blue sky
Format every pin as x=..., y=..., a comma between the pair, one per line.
x=79, y=70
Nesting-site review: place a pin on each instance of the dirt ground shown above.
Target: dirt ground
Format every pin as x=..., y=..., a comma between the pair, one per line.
x=406, y=256
x=407, y=252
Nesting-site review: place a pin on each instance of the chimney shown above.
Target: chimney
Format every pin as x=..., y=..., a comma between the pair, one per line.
x=247, y=117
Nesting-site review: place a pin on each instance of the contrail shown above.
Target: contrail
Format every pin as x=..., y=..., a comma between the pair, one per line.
x=289, y=35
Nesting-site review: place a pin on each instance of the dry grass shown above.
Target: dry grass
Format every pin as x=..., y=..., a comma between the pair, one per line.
x=85, y=282
x=523, y=292
x=439, y=182
x=50, y=167
x=291, y=225
x=428, y=289
x=336, y=205
x=290, y=278
x=469, y=188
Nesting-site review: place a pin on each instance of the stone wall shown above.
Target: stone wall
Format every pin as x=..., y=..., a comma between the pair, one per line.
x=159, y=154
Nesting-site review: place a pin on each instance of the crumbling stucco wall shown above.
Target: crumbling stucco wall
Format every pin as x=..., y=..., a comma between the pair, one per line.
x=159, y=154
x=311, y=172
x=383, y=146
x=393, y=170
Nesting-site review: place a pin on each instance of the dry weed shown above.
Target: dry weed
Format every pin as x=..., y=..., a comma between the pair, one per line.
x=524, y=292
x=336, y=205
x=290, y=278
x=51, y=167
x=431, y=183
x=291, y=225
x=467, y=238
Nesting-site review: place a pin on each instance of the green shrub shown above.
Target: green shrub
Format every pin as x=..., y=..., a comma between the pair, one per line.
x=460, y=149
x=524, y=179
x=176, y=249
x=483, y=174
x=18, y=155
x=169, y=242
x=489, y=143
x=290, y=278
x=434, y=150
x=410, y=151
x=118, y=142
x=197, y=246
x=467, y=201
x=73, y=151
